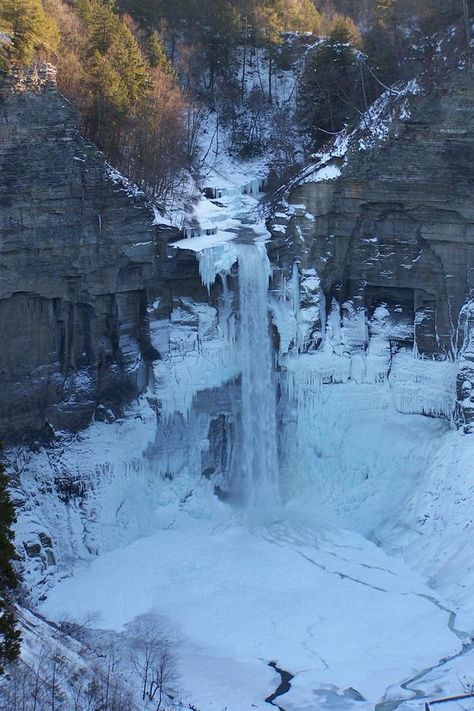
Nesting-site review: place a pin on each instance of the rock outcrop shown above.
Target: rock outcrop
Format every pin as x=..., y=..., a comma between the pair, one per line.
x=386, y=219
x=80, y=261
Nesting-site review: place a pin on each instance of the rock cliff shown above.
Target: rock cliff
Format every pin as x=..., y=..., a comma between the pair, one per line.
x=80, y=260
x=386, y=219
x=381, y=230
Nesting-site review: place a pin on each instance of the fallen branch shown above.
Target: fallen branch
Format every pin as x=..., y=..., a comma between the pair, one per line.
x=449, y=698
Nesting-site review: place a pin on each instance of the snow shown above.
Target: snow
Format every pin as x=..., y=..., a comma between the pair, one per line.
x=223, y=219
x=203, y=358
x=327, y=172
x=124, y=183
x=309, y=589
x=376, y=125
x=423, y=385
x=199, y=244
x=216, y=260
x=198, y=354
x=308, y=586
x=237, y=598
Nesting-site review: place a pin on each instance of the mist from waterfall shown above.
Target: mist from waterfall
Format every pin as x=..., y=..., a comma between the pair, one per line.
x=259, y=475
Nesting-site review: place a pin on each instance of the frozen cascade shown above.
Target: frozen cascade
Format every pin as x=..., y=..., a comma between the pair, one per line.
x=216, y=260
x=259, y=485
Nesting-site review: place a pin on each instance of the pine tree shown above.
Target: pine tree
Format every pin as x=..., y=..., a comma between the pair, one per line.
x=299, y=16
x=219, y=34
x=156, y=54
x=30, y=29
x=332, y=90
x=9, y=579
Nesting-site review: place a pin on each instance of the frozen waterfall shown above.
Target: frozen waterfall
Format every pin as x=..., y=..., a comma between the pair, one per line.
x=259, y=476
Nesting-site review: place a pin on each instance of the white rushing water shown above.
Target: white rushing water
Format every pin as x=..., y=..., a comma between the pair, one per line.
x=259, y=484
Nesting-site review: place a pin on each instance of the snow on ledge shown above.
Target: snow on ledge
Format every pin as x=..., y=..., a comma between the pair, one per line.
x=204, y=242
x=375, y=127
x=326, y=173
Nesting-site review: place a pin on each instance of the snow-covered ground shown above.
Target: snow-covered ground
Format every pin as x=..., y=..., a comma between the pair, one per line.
x=327, y=605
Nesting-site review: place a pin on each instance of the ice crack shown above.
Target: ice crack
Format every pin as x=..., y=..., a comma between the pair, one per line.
x=283, y=687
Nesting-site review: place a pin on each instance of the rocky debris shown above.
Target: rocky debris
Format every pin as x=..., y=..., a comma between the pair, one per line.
x=40, y=548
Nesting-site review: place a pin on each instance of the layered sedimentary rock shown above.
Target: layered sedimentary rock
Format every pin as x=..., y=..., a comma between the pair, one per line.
x=385, y=220
x=80, y=262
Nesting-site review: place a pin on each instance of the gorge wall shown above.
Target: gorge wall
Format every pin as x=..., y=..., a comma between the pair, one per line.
x=80, y=262
x=85, y=270
x=385, y=219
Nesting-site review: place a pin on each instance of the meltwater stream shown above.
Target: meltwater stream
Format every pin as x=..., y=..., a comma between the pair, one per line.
x=259, y=485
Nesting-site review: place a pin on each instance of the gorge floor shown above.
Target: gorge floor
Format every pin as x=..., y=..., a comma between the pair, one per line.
x=349, y=622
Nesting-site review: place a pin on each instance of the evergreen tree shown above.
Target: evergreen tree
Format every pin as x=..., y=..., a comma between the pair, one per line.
x=219, y=35
x=147, y=13
x=156, y=54
x=269, y=26
x=115, y=73
x=332, y=87
x=344, y=31
x=9, y=634
x=299, y=16
x=30, y=29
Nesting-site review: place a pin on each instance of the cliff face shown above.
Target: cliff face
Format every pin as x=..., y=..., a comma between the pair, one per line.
x=80, y=260
x=386, y=219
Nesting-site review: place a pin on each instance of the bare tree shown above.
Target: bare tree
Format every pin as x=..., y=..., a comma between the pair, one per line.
x=56, y=663
x=164, y=678
x=145, y=656
x=27, y=687
x=106, y=689
x=467, y=24
x=154, y=661
x=157, y=143
x=55, y=683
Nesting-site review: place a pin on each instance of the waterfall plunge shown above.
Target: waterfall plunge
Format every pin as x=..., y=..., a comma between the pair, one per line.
x=259, y=485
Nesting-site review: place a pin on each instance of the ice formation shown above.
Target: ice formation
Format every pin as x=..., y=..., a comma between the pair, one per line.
x=216, y=260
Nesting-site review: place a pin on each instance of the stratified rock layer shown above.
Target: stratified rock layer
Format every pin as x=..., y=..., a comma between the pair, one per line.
x=396, y=229
x=79, y=262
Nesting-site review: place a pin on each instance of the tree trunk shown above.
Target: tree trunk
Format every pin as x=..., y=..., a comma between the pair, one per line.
x=244, y=60
x=468, y=30
x=270, y=62
x=53, y=691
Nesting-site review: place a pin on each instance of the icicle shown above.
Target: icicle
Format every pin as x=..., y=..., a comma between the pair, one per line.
x=295, y=289
x=216, y=260
x=226, y=316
